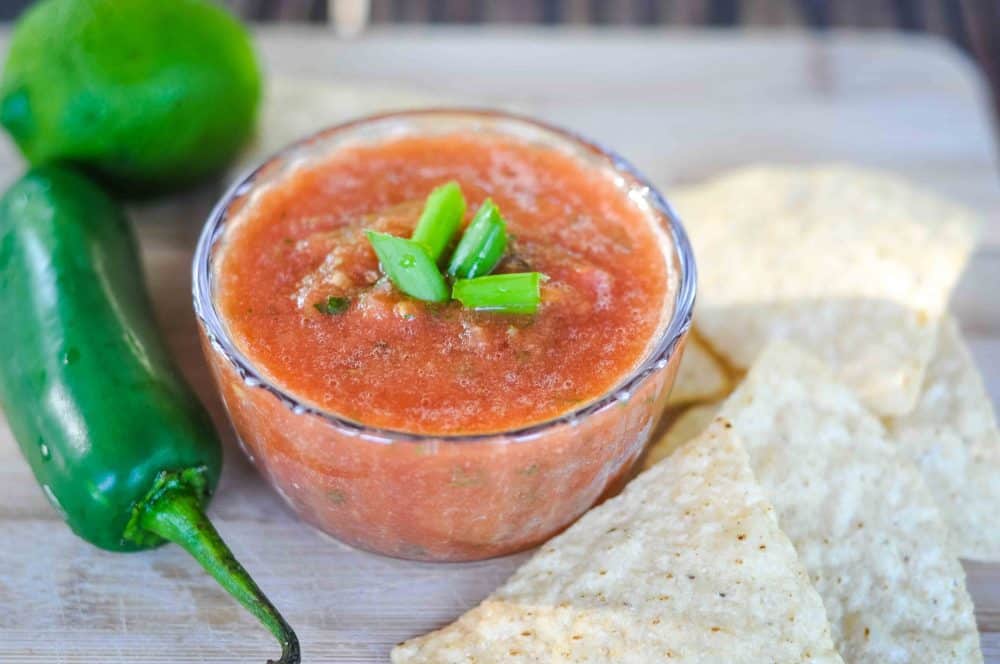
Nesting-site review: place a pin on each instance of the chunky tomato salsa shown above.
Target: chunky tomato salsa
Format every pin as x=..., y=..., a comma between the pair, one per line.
x=301, y=291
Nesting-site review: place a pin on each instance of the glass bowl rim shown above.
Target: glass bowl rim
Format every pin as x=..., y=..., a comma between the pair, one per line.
x=656, y=360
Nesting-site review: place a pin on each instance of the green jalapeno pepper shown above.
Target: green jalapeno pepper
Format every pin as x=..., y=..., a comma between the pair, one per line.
x=120, y=445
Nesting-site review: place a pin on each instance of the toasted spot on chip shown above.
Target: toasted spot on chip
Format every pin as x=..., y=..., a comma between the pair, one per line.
x=953, y=438
x=642, y=611
x=860, y=516
x=852, y=265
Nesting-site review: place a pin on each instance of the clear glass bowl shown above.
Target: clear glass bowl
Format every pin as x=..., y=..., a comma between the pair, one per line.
x=446, y=497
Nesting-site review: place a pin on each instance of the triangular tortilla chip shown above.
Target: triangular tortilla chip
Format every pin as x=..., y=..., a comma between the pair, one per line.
x=686, y=565
x=700, y=377
x=854, y=266
x=953, y=438
x=685, y=426
x=860, y=517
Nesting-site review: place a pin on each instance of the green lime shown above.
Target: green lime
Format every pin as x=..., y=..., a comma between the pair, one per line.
x=148, y=94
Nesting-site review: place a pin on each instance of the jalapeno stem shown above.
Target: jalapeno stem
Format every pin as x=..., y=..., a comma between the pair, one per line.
x=176, y=514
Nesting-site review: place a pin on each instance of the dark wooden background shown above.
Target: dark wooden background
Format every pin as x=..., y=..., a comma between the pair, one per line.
x=973, y=25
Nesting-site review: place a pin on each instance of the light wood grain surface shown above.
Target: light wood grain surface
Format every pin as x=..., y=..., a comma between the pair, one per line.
x=682, y=106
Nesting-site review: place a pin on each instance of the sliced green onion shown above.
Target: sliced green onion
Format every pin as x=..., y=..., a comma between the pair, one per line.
x=333, y=306
x=482, y=245
x=409, y=267
x=440, y=219
x=517, y=293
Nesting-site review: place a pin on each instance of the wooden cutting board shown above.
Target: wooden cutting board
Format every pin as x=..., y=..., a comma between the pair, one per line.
x=681, y=105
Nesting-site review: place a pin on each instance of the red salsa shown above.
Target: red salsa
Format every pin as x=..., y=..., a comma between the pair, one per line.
x=300, y=289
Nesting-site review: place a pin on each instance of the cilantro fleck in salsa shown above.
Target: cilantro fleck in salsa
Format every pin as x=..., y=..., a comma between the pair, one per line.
x=419, y=278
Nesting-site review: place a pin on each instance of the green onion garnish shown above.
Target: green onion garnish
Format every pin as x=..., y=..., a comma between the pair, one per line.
x=482, y=245
x=440, y=219
x=409, y=267
x=333, y=305
x=517, y=293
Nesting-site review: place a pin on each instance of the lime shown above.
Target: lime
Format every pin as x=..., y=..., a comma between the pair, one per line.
x=148, y=94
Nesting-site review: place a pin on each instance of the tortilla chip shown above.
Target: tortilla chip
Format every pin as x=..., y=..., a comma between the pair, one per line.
x=854, y=266
x=953, y=438
x=860, y=517
x=686, y=426
x=700, y=377
x=686, y=565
